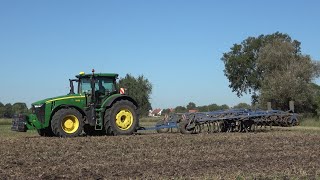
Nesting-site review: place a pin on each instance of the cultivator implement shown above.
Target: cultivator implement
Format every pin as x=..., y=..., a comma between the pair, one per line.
x=234, y=120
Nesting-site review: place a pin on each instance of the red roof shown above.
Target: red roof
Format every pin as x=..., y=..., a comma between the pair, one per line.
x=193, y=110
x=156, y=111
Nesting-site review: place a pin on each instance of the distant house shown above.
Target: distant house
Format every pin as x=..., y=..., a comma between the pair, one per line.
x=193, y=110
x=155, y=112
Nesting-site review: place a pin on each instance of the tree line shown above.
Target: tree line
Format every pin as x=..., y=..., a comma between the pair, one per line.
x=9, y=110
x=205, y=108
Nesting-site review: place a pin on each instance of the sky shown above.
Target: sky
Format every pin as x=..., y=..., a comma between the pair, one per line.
x=176, y=44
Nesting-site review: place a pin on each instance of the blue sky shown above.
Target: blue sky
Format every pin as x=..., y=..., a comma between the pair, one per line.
x=176, y=44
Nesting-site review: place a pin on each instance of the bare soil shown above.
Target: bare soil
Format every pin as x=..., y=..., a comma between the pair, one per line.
x=271, y=154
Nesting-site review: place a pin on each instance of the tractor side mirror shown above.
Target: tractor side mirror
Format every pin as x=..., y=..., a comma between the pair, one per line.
x=71, y=87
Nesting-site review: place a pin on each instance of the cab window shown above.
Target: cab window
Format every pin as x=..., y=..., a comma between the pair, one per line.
x=102, y=85
x=84, y=86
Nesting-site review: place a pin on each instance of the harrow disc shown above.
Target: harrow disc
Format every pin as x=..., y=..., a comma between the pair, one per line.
x=186, y=127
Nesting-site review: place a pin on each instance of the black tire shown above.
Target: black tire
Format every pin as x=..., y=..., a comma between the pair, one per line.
x=46, y=132
x=183, y=128
x=60, y=118
x=128, y=110
x=224, y=126
x=90, y=131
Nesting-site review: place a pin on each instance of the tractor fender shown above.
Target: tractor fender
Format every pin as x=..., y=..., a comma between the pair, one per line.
x=114, y=98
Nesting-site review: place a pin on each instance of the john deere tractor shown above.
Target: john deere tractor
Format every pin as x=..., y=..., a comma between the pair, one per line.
x=97, y=108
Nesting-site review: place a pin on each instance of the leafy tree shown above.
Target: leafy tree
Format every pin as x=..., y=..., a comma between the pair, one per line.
x=2, y=110
x=203, y=108
x=191, y=106
x=287, y=76
x=242, y=106
x=8, y=112
x=316, y=101
x=241, y=67
x=140, y=89
x=180, y=109
x=166, y=111
x=212, y=107
x=224, y=106
x=271, y=68
x=19, y=108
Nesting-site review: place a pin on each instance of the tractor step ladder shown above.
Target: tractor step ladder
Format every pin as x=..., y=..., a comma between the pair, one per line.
x=98, y=125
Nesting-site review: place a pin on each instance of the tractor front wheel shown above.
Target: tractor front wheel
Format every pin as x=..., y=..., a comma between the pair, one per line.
x=67, y=123
x=121, y=118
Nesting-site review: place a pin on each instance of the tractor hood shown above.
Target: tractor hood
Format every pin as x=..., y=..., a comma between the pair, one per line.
x=57, y=98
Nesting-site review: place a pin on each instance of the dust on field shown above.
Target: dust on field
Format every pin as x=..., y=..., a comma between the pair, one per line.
x=270, y=154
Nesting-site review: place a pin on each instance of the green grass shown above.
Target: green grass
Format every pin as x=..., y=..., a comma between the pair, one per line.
x=5, y=121
x=149, y=121
x=310, y=122
x=5, y=130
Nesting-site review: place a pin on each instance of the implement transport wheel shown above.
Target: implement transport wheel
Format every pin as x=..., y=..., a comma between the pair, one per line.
x=183, y=128
x=67, y=123
x=162, y=130
x=121, y=118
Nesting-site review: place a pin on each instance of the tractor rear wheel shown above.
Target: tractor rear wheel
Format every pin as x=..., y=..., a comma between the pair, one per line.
x=121, y=118
x=67, y=123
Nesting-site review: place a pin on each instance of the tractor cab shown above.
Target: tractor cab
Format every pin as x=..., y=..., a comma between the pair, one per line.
x=96, y=87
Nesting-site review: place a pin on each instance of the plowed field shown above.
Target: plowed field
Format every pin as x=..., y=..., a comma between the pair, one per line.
x=278, y=153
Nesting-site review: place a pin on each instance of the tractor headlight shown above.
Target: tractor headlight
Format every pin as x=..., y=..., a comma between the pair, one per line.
x=39, y=111
x=38, y=105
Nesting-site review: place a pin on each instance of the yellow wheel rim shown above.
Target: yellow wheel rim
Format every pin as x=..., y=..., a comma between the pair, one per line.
x=70, y=124
x=124, y=119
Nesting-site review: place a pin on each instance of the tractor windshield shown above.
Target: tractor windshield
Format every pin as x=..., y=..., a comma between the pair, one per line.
x=102, y=85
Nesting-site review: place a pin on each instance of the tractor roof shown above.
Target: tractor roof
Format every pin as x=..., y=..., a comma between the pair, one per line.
x=112, y=75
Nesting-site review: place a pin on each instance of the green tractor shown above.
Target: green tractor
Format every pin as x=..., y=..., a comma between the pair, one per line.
x=97, y=108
